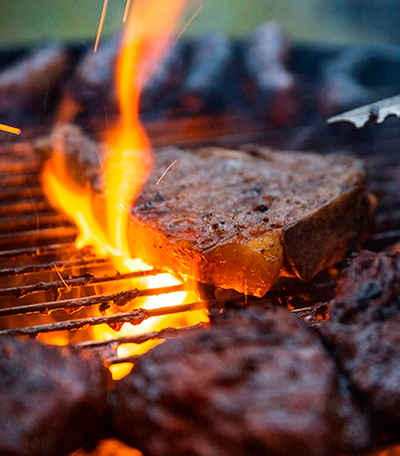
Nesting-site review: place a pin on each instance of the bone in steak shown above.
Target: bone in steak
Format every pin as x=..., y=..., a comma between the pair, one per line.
x=256, y=382
x=363, y=334
x=237, y=219
x=52, y=398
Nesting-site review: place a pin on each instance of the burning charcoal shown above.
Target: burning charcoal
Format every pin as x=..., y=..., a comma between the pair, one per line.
x=93, y=83
x=256, y=382
x=271, y=85
x=26, y=85
x=53, y=399
x=363, y=334
x=208, y=84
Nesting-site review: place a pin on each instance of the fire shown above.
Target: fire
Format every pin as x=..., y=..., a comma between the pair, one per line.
x=127, y=162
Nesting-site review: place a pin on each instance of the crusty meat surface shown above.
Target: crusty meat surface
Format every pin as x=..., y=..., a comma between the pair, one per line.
x=363, y=334
x=235, y=219
x=53, y=399
x=256, y=382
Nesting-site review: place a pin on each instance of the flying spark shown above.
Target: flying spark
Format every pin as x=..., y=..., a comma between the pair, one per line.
x=100, y=29
x=15, y=131
x=128, y=4
x=187, y=25
x=165, y=172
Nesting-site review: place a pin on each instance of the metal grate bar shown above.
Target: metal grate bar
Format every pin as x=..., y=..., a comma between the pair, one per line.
x=51, y=249
x=34, y=220
x=35, y=268
x=71, y=282
x=134, y=317
x=46, y=235
x=120, y=299
x=19, y=207
x=23, y=192
x=139, y=338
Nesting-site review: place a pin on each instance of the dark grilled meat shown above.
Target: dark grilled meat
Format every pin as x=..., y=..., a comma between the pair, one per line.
x=52, y=398
x=364, y=336
x=27, y=86
x=256, y=382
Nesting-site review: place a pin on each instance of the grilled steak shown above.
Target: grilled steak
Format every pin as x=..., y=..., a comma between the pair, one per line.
x=28, y=84
x=363, y=334
x=237, y=219
x=52, y=398
x=256, y=382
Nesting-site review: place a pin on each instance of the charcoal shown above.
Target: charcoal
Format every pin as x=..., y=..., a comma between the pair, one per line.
x=208, y=85
x=256, y=382
x=28, y=86
x=272, y=88
x=53, y=399
x=363, y=334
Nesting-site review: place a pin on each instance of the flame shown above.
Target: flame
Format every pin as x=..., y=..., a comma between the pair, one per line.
x=127, y=164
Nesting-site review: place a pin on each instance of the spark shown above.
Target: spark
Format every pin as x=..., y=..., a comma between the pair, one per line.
x=165, y=172
x=103, y=15
x=187, y=25
x=68, y=287
x=15, y=131
x=128, y=4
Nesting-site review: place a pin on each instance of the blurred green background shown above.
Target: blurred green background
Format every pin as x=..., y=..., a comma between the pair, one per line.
x=26, y=21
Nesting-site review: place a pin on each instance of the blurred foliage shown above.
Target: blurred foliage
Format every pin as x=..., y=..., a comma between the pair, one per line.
x=26, y=21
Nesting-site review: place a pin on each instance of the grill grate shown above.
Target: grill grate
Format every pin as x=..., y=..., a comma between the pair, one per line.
x=47, y=285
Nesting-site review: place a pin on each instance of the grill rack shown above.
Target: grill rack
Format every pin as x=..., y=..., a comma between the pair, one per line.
x=37, y=277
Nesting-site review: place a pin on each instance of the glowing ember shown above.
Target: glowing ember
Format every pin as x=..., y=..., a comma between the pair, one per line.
x=127, y=164
x=8, y=129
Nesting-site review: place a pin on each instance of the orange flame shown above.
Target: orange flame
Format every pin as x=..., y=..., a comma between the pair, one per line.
x=127, y=164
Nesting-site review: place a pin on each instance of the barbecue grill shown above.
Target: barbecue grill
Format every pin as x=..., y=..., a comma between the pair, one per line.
x=47, y=286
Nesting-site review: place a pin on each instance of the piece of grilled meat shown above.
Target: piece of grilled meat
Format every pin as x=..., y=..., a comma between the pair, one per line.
x=363, y=334
x=240, y=219
x=256, y=382
x=53, y=399
x=234, y=219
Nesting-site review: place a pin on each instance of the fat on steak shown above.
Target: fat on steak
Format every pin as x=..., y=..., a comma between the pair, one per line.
x=256, y=382
x=236, y=219
x=53, y=399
